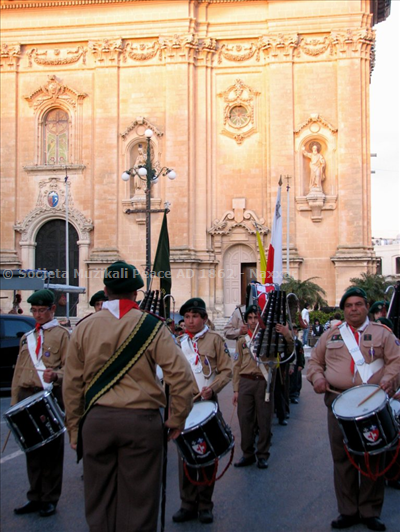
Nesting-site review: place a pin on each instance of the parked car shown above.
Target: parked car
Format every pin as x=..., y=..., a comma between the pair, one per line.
x=12, y=328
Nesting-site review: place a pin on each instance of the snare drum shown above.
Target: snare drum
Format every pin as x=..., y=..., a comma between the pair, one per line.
x=36, y=420
x=370, y=427
x=206, y=437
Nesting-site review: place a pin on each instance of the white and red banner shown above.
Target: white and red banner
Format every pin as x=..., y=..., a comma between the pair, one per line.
x=274, y=261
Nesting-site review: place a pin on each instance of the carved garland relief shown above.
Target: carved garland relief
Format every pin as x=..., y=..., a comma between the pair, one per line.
x=190, y=46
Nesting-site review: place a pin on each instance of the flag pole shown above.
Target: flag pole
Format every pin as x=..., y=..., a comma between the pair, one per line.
x=287, y=224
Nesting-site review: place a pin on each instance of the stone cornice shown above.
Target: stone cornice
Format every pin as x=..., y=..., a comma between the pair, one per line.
x=12, y=4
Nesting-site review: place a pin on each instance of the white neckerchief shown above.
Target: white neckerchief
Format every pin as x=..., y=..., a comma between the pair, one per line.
x=365, y=370
x=37, y=361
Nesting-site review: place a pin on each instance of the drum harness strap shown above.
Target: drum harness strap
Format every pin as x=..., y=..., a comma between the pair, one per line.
x=365, y=370
x=214, y=478
x=368, y=473
x=118, y=365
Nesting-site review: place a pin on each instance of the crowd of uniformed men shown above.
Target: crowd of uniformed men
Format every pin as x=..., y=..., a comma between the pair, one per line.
x=106, y=375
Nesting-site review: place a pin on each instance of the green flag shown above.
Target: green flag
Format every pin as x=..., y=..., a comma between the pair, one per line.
x=162, y=267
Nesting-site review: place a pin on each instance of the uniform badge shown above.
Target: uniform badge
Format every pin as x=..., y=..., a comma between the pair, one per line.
x=235, y=356
x=47, y=354
x=397, y=342
x=367, y=337
x=371, y=351
x=24, y=342
x=336, y=338
x=226, y=349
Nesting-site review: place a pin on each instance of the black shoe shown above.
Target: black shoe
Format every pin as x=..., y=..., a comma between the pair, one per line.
x=262, y=463
x=373, y=523
x=183, y=515
x=28, y=508
x=395, y=484
x=47, y=509
x=345, y=521
x=283, y=422
x=294, y=401
x=206, y=516
x=244, y=462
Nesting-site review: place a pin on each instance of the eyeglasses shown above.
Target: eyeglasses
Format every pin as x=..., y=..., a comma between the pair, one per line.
x=39, y=310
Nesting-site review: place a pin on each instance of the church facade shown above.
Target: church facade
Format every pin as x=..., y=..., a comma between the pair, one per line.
x=236, y=94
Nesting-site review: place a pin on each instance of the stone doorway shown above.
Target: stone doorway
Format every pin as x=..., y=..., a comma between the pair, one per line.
x=239, y=260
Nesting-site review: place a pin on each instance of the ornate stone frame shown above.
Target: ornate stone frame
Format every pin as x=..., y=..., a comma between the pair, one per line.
x=42, y=213
x=54, y=94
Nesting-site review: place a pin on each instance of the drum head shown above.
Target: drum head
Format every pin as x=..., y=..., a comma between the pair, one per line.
x=346, y=405
x=29, y=400
x=199, y=413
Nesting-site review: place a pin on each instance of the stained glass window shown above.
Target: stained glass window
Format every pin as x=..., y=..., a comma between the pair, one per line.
x=238, y=116
x=56, y=137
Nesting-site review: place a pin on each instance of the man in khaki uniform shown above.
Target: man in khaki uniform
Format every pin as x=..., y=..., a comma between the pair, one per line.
x=111, y=392
x=250, y=387
x=40, y=366
x=211, y=365
x=332, y=367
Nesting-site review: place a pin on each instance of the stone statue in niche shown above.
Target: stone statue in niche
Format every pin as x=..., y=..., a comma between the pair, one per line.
x=139, y=184
x=317, y=167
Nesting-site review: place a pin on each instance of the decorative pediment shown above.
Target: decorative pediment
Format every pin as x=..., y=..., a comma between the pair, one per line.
x=54, y=91
x=139, y=126
x=314, y=124
x=239, y=217
x=50, y=204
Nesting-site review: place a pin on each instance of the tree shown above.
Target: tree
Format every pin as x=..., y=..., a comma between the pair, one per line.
x=374, y=285
x=306, y=291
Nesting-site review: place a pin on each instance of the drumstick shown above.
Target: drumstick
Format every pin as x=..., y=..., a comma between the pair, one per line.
x=369, y=396
x=332, y=391
x=5, y=443
x=199, y=394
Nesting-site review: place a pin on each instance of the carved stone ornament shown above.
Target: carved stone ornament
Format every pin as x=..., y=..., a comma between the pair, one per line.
x=314, y=124
x=59, y=56
x=139, y=126
x=10, y=54
x=50, y=204
x=239, y=217
x=239, y=111
x=106, y=50
x=315, y=46
x=54, y=91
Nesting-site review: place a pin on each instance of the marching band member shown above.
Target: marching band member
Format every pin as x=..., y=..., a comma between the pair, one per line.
x=39, y=366
x=209, y=359
x=375, y=359
x=113, y=400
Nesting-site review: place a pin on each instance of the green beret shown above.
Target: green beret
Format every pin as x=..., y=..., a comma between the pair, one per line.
x=378, y=306
x=354, y=291
x=252, y=309
x=41, y=298
x=98, y=296
x=195, y=304
x=122, y=278
x=387, y=322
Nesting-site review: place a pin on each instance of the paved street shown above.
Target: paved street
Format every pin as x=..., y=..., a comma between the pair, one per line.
x=295, y=494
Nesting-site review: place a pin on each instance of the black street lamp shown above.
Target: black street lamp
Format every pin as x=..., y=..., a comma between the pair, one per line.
x=148, y=174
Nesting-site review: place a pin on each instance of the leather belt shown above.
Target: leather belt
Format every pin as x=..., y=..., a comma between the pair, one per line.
x=253, y=377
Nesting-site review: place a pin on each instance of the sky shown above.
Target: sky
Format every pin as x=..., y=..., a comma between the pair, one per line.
x=385, y=128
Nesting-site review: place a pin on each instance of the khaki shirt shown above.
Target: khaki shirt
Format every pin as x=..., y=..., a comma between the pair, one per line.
x=213, y=346
x=92, y=344
x=330, y=358
x=232, y=328
x=243, y=363
x=55, y=345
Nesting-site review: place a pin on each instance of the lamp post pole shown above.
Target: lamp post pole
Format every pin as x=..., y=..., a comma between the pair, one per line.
x=287, y=224
x=66, y=242
x=148, y=174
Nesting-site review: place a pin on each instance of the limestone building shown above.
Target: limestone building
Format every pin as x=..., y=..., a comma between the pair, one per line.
x=236, y=94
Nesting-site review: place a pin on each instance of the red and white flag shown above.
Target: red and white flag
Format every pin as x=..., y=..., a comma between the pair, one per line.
x=274, y=260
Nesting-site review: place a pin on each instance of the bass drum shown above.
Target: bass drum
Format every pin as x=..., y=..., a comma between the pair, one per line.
x=206, y=437
x=36, y=420
x=367, y=428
